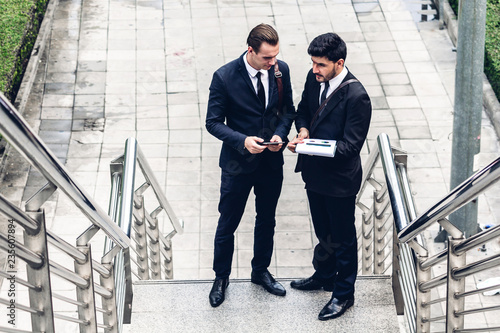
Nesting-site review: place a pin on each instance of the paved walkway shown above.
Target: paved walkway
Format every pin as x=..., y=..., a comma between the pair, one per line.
x=121, y=68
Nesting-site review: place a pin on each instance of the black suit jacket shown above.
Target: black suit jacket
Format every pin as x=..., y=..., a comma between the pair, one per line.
x=235, y=112
x=346, y=118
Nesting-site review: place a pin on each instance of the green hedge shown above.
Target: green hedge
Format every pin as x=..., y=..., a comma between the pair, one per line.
x=492, y=42
x=492, y=45
x=19, y=24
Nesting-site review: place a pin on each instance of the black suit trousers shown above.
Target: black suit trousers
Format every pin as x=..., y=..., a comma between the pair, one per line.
x=335, y=256
x=234, y=192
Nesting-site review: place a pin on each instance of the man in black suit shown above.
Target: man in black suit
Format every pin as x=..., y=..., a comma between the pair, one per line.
x=251, y=110
x=332, y=183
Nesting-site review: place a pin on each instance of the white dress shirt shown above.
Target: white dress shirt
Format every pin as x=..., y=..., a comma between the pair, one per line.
x=264, y=77
x=334, y=83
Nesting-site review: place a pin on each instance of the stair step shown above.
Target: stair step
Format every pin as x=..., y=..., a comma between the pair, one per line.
x=182, y=306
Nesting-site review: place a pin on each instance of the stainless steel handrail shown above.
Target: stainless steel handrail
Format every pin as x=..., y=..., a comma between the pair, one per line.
x=408, y=197
x=68, y=275
x=20, y=281
x=126, y=208
x=101, y=269
x=128, y=180
x=434, y=260
x=401, y=219
x=476, y=267
x=162, y=199
x=478, y=239
x=458, y=197
x=368, y=171
x=71, y=319
x=114, y=270
x=477, y=291
x=69, y=300
x=15, y=129
x=64, y=246
x=13, y=330
x=22, y=307
x=33, y=259
x=412, y=264
x=432, y=283
x=28, y=223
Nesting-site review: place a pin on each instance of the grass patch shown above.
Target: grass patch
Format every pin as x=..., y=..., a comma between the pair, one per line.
x=492, y=45
x=19, y=24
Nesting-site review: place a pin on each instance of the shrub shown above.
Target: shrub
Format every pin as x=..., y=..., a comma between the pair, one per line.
x=19, y=24
x=492, y=42
x=492, y=45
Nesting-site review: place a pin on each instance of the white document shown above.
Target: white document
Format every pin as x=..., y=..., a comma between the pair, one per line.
x=317, y=147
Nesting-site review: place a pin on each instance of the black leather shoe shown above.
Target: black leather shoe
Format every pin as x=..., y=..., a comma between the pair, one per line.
x=335, y=308
x=310, y=284
x=266, y=280
x=217, y=294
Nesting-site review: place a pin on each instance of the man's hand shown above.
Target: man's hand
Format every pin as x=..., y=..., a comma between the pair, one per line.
x=303, y=134
x=253, y=146
x=275, y=148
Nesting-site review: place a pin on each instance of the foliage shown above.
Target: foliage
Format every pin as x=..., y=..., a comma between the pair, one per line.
x=492, y=42
x=19, y=24
x=492, y=45
x=454, y=5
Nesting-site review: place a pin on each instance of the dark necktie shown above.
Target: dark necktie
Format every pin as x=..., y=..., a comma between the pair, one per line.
x=323, y=95
x=260, y=90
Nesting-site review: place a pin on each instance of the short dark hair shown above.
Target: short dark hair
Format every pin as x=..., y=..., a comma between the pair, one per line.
x=262, y=33
x=328, y=45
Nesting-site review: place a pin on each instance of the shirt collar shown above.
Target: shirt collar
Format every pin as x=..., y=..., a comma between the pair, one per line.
x=337, y=80
x=252, y=71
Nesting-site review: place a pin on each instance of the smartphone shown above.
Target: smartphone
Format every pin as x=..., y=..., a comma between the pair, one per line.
x=272, y=143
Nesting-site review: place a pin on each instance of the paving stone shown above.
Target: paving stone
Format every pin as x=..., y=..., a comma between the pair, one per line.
x=400, y=102
x=62, y=125
x=88, y=88
x=390, y=57
x=61, y=66
x=91, y=66
x=54, y=113
x=60, y=78
x=394, y=79
x=54, y=136
x=60, y=101
x=399, y=90
x=86, y=112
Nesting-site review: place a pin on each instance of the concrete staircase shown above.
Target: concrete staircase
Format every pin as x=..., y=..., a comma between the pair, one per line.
x=182, y=306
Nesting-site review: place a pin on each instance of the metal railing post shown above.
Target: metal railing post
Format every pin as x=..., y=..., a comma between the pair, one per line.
x=155, y=254
x=396, y=285
x=86, y=295
x=423, y=309
x=109, y=304
x=168, y=261
x=367, y=243
x=454, y=287
x=378, y=235
x=141, y=238
x=40, y=299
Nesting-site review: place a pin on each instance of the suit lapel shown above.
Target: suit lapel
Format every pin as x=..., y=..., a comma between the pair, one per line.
x=332, y=103
x=244, y=74
x=315, y=94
